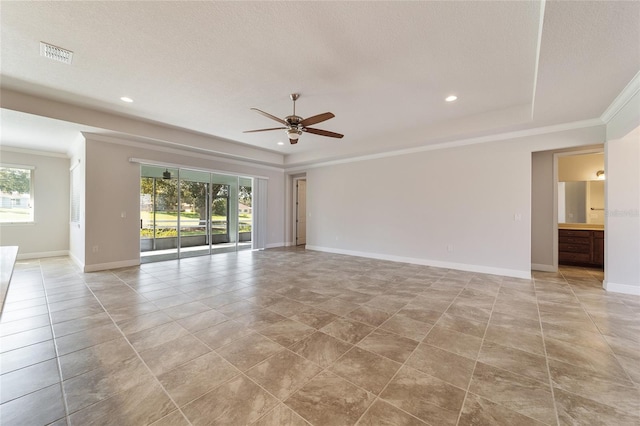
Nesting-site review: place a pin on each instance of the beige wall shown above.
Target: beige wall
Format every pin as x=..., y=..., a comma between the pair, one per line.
x=414, y=208
x=113, y=197
x=542, y=211
x=583, y=167
x=595, y=202
x=622, y=222
x=48, y=235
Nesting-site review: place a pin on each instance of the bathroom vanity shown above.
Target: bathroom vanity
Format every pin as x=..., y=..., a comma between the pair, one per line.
x=581, y=245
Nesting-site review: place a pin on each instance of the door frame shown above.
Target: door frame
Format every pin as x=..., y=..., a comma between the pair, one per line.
x=294, y=206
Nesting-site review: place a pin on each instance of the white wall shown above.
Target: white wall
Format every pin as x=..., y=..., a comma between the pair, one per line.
x=113, y=190
x=49, y=234
x=414, y=207
x=622, y=221
x=77, y=229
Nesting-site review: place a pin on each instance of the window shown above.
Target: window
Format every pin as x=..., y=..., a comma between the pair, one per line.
x=16, y=194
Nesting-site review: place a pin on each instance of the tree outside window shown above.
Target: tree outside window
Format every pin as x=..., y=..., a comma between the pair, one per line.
x=16, y=194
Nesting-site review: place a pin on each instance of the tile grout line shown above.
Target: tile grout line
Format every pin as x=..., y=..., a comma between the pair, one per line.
x=55, y=346
x=323, y=369
x=506, y=370
x=212, y=350
x=586, y=311
x=546, y=355
x=635, y=386
x=475, y=363
x=139, y=357
x=376, y=396
x=403, y=364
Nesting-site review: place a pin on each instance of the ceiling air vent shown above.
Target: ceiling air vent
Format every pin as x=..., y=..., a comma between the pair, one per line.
x=56, y=53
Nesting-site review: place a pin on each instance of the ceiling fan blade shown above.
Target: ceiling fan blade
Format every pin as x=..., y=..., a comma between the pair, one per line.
x=264, y=130
x=317, y=119
x=322, y=132
x=273, y=117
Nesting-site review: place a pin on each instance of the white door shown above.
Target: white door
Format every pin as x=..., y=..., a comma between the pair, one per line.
x=301, y=212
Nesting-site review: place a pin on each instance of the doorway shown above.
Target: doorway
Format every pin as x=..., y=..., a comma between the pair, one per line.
x=548, y=207
x=301, y=212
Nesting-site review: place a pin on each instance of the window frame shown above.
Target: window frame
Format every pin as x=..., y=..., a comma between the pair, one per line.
x=32, y=217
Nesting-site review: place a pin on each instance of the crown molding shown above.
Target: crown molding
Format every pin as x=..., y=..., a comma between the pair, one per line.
x=457, y=143
x=622, y=99
x=33, y=152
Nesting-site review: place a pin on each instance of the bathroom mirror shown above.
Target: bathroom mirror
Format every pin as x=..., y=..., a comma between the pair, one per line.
x=581, y=202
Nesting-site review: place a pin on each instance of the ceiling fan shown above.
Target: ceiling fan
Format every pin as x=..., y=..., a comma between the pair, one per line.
x=295, y=125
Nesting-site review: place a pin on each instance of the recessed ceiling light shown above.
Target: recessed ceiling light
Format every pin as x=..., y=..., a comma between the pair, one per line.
x=451, y=98
x=126, y=99
x=280, y=143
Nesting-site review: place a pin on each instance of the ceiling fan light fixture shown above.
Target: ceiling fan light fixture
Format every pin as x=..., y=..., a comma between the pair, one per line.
x=293, y=133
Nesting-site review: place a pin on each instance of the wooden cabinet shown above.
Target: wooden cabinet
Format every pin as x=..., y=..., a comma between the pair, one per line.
x=598, y=248
x=582, y=247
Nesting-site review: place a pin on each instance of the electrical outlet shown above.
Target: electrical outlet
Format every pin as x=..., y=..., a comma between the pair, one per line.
x=449, y=247
x=94, y=249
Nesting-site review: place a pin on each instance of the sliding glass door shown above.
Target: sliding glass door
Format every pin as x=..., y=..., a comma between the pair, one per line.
x=245, y=213
x=185, y=213
x=159, y=212
x=195, y=194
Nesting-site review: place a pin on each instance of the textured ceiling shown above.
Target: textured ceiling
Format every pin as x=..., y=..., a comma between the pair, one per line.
x=383, y=68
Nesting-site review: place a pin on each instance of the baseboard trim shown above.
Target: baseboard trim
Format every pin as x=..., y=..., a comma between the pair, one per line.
x=43, y=254
x=428, y=262
x=622, y=288
x=275, y=245
x=111, y=265
x=543, y=268
x=77, y=261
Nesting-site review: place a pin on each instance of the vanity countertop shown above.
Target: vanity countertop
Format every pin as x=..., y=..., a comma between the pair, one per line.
x=585, y=226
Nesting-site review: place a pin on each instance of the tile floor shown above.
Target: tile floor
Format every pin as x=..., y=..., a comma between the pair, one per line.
x=295, y=337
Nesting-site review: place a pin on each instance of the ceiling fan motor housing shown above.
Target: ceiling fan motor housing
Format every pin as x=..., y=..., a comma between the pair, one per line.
x=293, y=120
